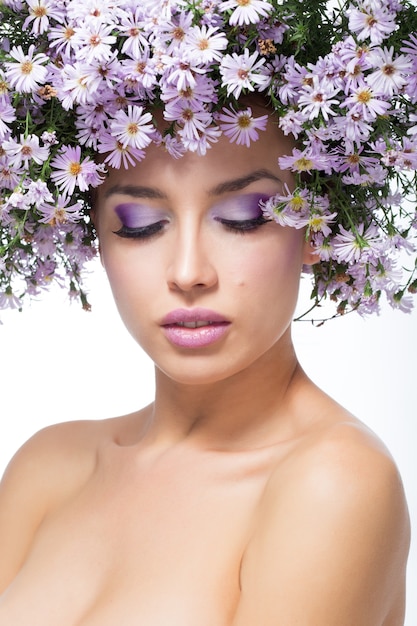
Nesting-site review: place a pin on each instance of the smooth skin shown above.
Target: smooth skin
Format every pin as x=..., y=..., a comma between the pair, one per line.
x=244, y=495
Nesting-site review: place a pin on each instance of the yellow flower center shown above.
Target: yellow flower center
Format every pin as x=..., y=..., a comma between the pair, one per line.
x=316, y=222
x=178, y=33
x=203, y=44
x=361, y=51
x=26, y=67
x=297, y=203
x=244, y=121
x=60, y=217
x=39, y=11
x=364, y=96
x=353, y=159
x=68, y=33
x=132, y=128
x=74, y=168
x=82, y=82
x=303, y=164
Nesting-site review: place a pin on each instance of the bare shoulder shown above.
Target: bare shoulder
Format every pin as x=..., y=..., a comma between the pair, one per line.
x=339, y=464
x=50, y=453
x=332, y=534
x=65, y=453
x=344, y=452
x=337, y=451
x=50, y=468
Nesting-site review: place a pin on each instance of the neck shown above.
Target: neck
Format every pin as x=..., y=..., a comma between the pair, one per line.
x=252, y=408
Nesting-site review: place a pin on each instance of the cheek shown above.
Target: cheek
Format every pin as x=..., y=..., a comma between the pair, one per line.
x=126, y=274
x=275, y=263
x=267, y=285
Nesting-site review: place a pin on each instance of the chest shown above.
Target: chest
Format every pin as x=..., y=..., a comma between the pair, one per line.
x=141, y=546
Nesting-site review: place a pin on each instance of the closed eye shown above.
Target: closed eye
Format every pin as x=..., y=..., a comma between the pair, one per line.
x=241, y=213
x=243, y=226
x=142, y=232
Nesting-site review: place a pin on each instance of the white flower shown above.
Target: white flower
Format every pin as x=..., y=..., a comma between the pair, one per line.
x=79, y=84
x=413, y=129
x=182, y=70
x=132, y=128
x=241, y=126
x=37, y=192
x=60, y=212
x=117, y=155
x=391, y=74
x=7, y=115
x=364, y=102
x=319, y=222
x=27, y=149
x=10, y=175
x=205, y=44
x=246, y=11
x=318, y=98
x=9, y=301
x=351, y=246
x=371, y=20
x=132, y=28
x=94, y=41
x=39, y=12
x=142, y=71
x=29, y=72
x=173, y=145
x=200, y=145
x=70, y=170
x=400, y=301
x=191, y=119
x=242, y=71
x=62, y=37
x=291, y=209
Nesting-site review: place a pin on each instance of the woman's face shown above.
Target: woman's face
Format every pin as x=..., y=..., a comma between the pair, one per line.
x=202, y=282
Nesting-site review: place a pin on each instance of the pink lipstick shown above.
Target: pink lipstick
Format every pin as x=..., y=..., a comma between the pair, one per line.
x=194, y=328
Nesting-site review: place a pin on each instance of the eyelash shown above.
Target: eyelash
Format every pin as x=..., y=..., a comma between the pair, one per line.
x=237, y=226
x=144, y=232
x=244, y=226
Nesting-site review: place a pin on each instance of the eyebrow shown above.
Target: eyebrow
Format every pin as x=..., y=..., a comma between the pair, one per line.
x=236, y=184
x=240, y=183
x=135, y=191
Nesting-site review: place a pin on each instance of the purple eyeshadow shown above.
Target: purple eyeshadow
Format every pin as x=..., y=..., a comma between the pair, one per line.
x=133, y=215
x=239, y=208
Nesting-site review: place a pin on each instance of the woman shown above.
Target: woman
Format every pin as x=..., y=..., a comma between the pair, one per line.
x=243, y=494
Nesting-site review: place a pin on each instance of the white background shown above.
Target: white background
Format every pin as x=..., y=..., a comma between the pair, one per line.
x=59, y=363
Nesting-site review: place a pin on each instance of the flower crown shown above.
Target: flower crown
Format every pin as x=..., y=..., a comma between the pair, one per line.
x=83, y=77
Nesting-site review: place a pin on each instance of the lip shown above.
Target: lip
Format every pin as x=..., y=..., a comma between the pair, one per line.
x=179, y=316
x=198, y=337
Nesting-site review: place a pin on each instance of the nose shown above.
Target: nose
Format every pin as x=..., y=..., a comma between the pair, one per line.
x=192, y=262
